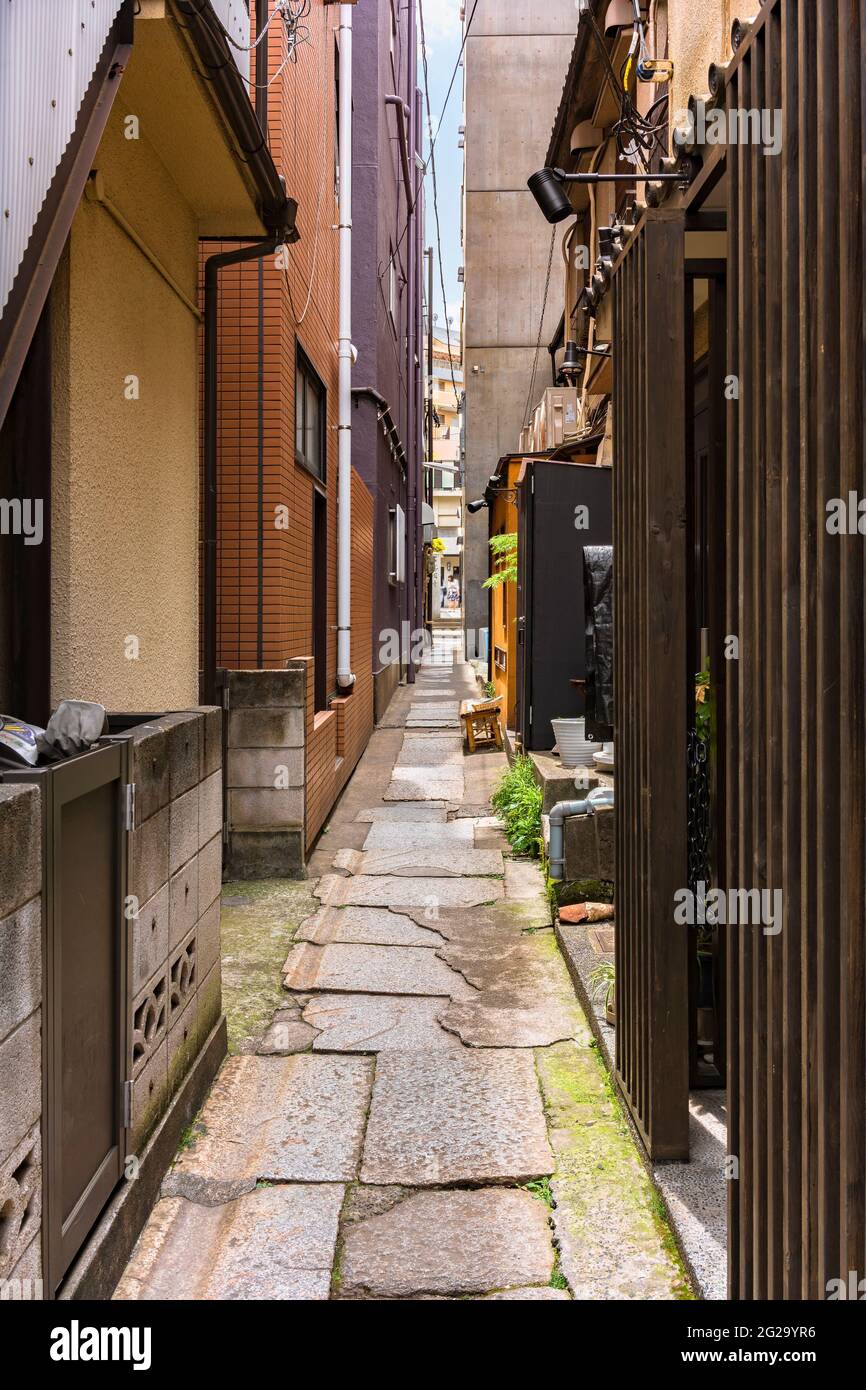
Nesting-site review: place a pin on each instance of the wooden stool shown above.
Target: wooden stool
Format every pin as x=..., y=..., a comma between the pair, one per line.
x=480, y=719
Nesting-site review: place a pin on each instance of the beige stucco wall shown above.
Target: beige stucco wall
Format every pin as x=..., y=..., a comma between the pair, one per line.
x=125, y=495
x=699, y=33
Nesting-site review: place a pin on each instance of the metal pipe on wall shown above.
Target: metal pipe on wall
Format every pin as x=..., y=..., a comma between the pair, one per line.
x=345, y=676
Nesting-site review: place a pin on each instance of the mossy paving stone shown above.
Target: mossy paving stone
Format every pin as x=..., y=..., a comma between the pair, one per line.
x=383, y=836
x=365, y=926
x=434, y=861
x=612, y=1243
x=256, y=929
x=433, y=894
x=448, y=1243
x=377, y=1023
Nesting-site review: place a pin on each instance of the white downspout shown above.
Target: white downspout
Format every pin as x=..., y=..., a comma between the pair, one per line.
x=345, y=675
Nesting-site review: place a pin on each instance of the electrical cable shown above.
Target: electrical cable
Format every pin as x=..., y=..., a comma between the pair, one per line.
x=540, y=330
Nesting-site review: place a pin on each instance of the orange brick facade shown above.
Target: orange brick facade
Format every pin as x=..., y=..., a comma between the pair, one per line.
x=265, y=609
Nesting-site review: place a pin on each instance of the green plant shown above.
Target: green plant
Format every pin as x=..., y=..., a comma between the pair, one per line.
x=489, y=689
x=518, y=801
x=503, y=550
x=603, y=981
x=704, y=704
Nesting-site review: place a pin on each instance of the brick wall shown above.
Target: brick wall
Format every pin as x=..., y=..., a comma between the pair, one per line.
x=299, y=298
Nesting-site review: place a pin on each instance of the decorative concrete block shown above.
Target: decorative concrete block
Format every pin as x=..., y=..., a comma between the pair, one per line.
x=266, y=728
x=20, y=1199
x=150, y=938
x=210, y=869
x=150, y=855
x=185, y=740
x=266, y=808
x=183, y=829
x=20, y=965
x=20, y=845
x=182, y=976
x=182, y=902
x=28, y=1271
x=272, y=768
x=253, y=854
x=208, y=938
x=21, y=1091
x=149, y=1020
x=182, y=1042
x=210, y=807
x=209, y=1003
x=150, y=759
x=149, y=1095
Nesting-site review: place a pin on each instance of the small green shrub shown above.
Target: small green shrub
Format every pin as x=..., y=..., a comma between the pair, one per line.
x=489, y=689
x=518, y=801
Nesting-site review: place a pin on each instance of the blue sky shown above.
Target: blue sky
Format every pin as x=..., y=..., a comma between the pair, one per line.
x=444, y=34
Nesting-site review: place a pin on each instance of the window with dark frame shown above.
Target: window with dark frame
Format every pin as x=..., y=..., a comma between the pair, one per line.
x=309, y=416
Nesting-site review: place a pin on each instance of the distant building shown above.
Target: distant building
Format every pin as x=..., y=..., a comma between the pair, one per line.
x=447, y=482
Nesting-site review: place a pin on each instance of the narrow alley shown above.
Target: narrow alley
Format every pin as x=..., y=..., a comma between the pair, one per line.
x=426, y=1116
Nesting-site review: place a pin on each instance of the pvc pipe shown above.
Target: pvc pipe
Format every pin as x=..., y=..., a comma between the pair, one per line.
x=602, y=796
x=345, y=675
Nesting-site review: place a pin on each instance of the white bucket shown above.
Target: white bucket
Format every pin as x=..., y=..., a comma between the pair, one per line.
x=575, y=750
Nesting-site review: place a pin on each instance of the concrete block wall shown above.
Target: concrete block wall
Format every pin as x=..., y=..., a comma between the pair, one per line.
x=20, y=1032
x=176, y=875
x=265, y=772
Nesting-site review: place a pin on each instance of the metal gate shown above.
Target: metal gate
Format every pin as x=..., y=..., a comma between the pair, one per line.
x=85, y=993
x=651, y=731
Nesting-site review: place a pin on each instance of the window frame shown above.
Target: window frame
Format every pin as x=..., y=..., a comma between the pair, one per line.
x=304, y=369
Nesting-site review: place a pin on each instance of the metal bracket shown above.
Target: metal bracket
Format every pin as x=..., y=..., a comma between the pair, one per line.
x=129, y=806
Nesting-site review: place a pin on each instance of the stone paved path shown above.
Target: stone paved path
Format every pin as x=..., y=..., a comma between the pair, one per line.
x=425, y=1117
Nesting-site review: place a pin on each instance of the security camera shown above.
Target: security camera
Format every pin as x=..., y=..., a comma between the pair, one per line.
x=476, y=506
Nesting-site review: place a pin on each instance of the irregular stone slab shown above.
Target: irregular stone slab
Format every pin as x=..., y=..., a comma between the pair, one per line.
x=425, y=784
x=377, y=1023
x=373, y=970
x=432, y=752
x=285, y=1036
x=274, y=1243
x=535, y=1295
x=398, y=815
x=365, y=926
x=290, y=1119
x=448, y=1243
x=524, y=883
x=437, y=722
x=445, y=861
x=403, y=837
x=526, y=995
x=611, y=1246
x=446, y=1117
x=428, y=893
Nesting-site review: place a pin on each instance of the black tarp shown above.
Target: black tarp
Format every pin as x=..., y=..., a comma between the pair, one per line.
x=598, y=610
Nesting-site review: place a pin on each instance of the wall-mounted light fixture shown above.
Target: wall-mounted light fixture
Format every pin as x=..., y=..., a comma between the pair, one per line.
x=546, y=187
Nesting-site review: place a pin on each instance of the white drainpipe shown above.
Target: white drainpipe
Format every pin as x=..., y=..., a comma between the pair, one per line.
x=345, y=676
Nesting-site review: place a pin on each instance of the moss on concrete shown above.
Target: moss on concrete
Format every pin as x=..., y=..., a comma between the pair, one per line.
x=257, y=925
x=614, y=1236
x=582, y=890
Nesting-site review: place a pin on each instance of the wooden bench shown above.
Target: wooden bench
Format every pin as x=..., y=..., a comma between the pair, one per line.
x=480, y=720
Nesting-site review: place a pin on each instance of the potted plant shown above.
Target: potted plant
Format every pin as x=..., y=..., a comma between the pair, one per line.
x=575, y=750
x=603, y=981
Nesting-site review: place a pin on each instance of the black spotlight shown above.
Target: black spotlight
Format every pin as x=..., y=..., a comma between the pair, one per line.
x=548, y=192
x=476, y=506
x=572, y=366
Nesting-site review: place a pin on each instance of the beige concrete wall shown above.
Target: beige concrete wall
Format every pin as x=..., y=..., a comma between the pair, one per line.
x=516, y=59
x=125, y=496
x=698, y=34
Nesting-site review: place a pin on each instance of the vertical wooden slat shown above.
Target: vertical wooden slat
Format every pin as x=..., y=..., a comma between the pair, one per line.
x=852, y=804
x=651, y=682
x=788, y=1083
